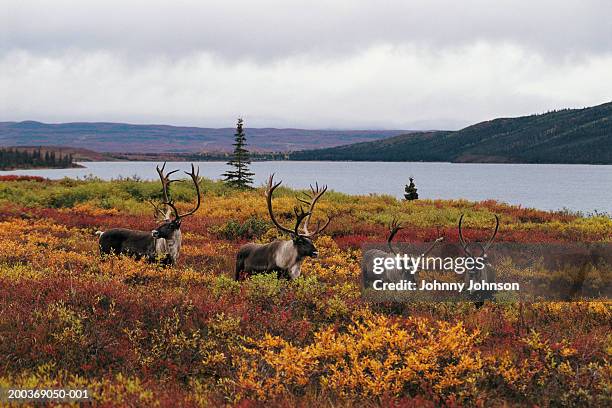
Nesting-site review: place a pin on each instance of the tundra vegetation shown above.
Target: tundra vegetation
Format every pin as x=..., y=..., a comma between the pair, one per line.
x=142, y=334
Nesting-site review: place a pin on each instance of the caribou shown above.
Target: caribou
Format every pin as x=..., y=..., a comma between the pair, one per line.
x=389, y=274
x=284, y=257
x=163, y=244
x=475, y=250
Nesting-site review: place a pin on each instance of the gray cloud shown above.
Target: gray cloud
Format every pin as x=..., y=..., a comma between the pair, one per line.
x=276, y=28
x=346, y=63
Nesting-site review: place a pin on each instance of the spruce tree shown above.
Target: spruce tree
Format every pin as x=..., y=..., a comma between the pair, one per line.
x=411, y=191
x=240, y=176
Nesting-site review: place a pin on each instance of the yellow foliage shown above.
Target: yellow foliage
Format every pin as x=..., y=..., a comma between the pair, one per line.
x=374, y=357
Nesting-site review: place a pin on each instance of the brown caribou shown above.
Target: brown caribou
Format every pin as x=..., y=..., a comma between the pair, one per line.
x=163, y=244
x=284, y=257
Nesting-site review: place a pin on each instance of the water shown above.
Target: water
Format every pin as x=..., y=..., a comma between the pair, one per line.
x=583, y=188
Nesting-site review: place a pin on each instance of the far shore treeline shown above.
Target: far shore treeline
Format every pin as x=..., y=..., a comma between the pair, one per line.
x=15, y=158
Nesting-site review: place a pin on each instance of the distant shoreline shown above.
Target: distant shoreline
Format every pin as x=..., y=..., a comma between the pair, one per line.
x=270, y=157
x=85, y=156
x=13, y=168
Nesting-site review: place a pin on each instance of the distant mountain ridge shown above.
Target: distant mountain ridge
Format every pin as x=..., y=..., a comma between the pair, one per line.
x=128, y=138
x=564, y=136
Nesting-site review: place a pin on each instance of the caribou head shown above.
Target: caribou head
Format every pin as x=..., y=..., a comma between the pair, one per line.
x=301, y=240
x=169, y=217
x=163, y=215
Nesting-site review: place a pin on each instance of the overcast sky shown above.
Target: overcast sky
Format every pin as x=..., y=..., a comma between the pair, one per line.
x=406, y=64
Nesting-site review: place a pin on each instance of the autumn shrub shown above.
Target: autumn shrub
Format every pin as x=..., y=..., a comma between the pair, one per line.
x=264, y=289
x=23, y=178
x=373, y=358
x=252, y=228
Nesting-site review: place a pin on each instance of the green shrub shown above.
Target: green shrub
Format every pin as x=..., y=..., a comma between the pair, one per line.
x=264, y=289
x=252, y=228
x=224, y=285
x=308, y=289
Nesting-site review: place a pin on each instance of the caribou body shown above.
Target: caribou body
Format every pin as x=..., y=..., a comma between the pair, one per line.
x=163, y=244
x=284, y=257
x=154, y=246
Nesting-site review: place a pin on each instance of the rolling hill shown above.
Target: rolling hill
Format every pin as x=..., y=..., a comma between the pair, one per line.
x=127, y=138
x=565, y=136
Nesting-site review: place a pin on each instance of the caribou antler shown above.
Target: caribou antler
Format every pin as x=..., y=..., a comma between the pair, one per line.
x=300, y=214
x=461, y=239
x=394, y=228
x=159, y=213
x=165, y=179
x=311, y=200
x=439, y=239
x=489, y=241
x=195, y=177
x=432, y=246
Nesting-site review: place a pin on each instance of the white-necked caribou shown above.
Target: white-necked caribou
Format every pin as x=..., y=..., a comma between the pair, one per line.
x=162, y=244
x=284, y=257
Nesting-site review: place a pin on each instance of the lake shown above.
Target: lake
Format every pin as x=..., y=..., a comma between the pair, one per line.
x=583, y=188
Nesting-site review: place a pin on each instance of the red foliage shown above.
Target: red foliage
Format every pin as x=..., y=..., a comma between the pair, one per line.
x=12, y=177
x=352, y=241
x=524, y=214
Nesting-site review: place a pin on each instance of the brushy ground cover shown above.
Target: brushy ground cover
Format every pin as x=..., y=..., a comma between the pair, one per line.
x=140, y=335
